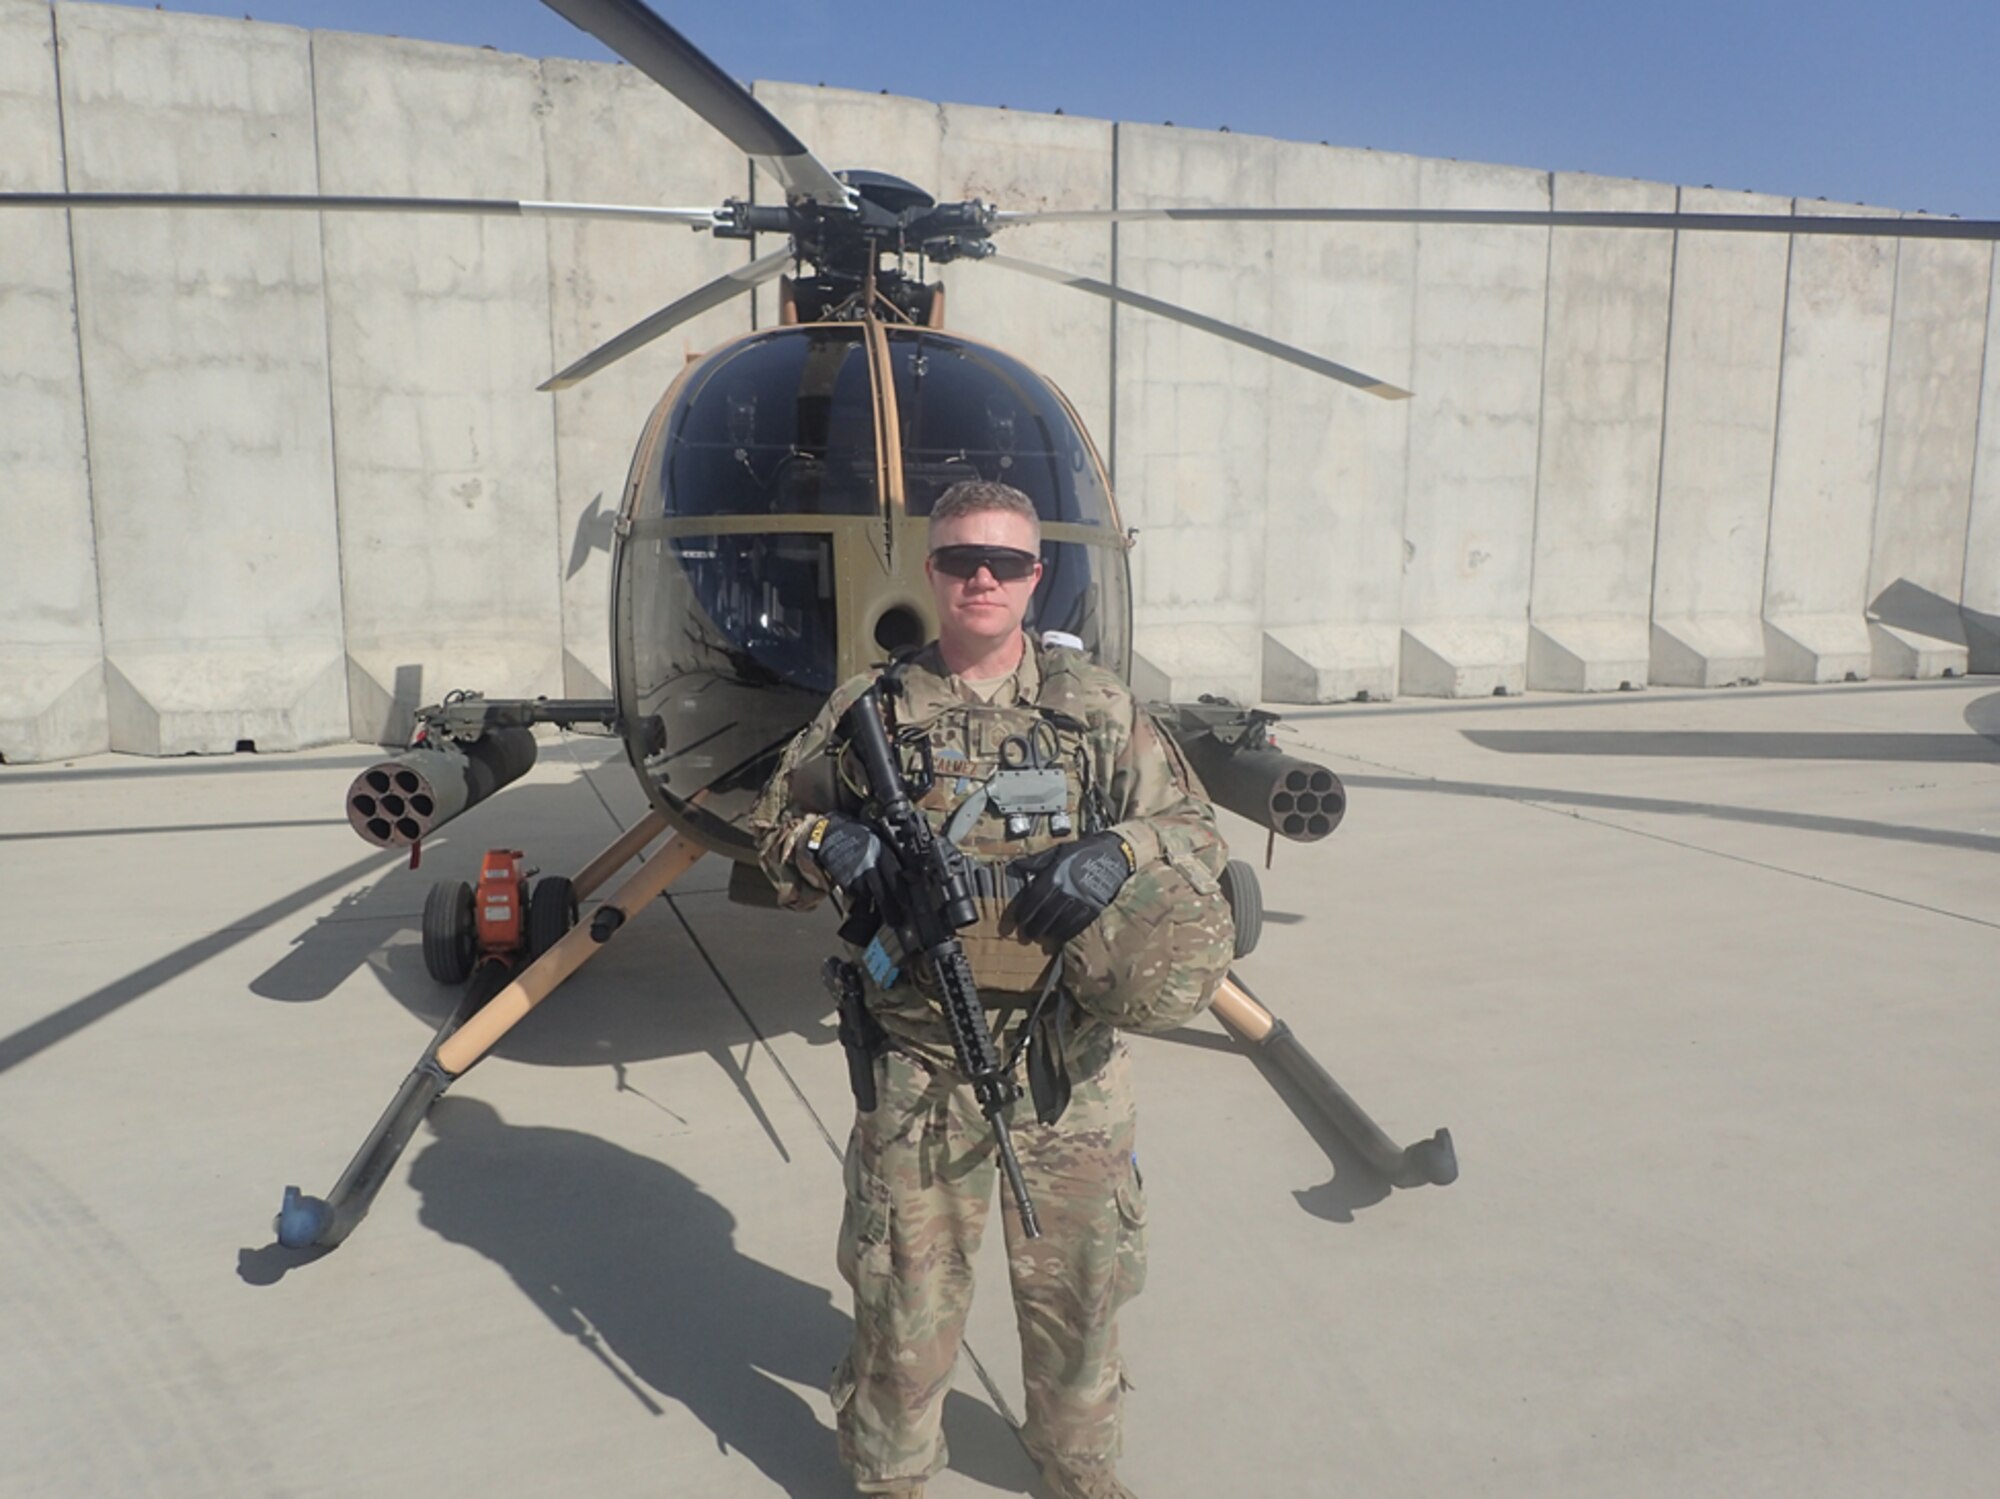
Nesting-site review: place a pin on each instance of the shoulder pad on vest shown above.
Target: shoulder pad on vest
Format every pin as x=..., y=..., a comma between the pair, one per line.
x=1072, y=683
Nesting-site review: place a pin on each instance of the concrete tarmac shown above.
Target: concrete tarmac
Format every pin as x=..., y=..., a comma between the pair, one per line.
x=1704, y=985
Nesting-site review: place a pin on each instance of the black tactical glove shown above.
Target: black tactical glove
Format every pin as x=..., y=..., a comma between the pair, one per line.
x=1070, y=886
x=845, y=850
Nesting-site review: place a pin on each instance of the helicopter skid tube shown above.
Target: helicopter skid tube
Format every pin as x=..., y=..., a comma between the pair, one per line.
x=1431, y=1161
x=314, y=1222
x=606, y=864
x=322, y=1222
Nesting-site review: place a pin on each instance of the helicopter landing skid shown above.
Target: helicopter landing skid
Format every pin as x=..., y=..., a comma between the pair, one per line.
x=473, y=1029
x=1433, y=1161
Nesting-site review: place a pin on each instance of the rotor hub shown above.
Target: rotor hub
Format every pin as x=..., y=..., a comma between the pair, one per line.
x=887, y=216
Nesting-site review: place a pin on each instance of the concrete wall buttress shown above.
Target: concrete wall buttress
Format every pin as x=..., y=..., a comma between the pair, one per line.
x=1929, y=434
x=204, y=359
x=1829, y=448
x=52, y=700
x=439, y=333
x=1603, y=380
x=1481, y=304
x=1337, y=461
x=1715, y=467
x=615, y=136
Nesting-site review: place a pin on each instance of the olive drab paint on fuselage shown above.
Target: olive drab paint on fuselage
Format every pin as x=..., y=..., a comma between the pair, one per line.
x=772, y=538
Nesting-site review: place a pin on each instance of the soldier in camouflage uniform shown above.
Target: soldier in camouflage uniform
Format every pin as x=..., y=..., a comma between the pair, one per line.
x=1134, y=911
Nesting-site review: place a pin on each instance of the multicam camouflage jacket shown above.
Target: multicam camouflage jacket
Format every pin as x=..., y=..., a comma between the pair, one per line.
x=1122, y=773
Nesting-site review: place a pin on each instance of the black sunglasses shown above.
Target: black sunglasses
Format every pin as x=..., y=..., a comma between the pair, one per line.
x=1007, y=564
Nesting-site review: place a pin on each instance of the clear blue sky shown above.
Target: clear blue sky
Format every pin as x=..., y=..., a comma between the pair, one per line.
x=1859, y=100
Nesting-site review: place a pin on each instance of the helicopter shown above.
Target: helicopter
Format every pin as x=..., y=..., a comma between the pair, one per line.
x=770, y=544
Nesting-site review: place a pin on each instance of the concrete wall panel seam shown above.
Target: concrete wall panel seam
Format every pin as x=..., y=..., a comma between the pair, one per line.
x=557, y=446
x=1979, y=583
x=53, y=693
x=76, y=329
x=1888, y=384
x=1410, y=439
x=326, y=320
x=1666, y=415
x=1541, y=399
x=1777, y=414
x=1978, y=425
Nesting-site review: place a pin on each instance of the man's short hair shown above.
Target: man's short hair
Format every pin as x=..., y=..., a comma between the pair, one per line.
x=969, y=496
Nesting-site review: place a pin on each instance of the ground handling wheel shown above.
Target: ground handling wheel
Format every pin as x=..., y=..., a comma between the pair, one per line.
x=1246, y=904
x=551, y=913
x=451, y=935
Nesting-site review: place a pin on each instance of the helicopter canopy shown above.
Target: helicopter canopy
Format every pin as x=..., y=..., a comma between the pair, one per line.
x=774, y=538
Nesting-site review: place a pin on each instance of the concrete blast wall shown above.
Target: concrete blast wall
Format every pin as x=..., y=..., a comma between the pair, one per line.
x=280, y=478
x=51, y=641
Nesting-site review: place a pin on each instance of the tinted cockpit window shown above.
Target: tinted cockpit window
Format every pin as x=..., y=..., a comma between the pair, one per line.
x=782, y=425
x=762, y=608
x=969, y=412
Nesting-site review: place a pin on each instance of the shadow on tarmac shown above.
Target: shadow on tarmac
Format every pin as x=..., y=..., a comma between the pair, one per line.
x=108, y=999
x=631, y=1259
x=1699, y=744
x=628, y=1257
x=638, y=1265
x=1982, y=716
x=1354, y=1184
x=1810, y=822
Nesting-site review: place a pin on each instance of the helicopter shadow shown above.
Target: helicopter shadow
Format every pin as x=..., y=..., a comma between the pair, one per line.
x=658, y=1293
x=651, y=995
x=625, y=1006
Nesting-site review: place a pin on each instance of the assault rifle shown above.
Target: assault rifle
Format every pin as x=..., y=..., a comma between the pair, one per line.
x=923, y=895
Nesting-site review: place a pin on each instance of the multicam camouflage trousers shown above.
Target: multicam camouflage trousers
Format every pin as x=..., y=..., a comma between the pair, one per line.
x=920, y=1180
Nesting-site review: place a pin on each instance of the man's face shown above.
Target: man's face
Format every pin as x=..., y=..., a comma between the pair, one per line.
x=982, y=610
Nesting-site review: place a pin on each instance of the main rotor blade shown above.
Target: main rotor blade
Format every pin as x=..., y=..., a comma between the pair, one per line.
x=1728, y=223
x=702, y=218
x=1129, y=298
x=695, y=303
x=639, y=36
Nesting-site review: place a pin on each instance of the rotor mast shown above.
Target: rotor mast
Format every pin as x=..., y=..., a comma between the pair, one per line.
x=858, y=252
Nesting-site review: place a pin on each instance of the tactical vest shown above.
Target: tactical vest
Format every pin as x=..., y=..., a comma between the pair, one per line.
x=1008, y=780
